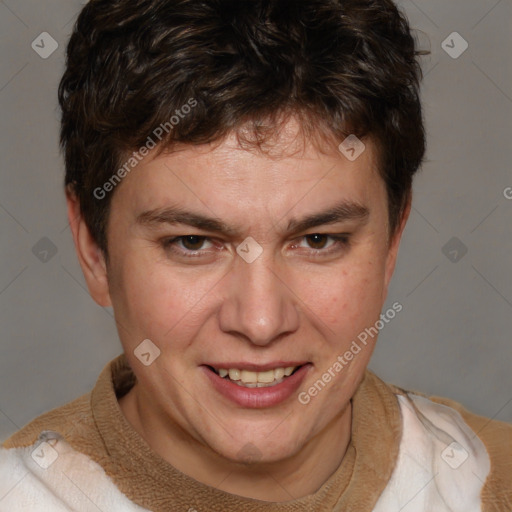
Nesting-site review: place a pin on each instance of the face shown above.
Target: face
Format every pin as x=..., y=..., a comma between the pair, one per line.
x=229, y=259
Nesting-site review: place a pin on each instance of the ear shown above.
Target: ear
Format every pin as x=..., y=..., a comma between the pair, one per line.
x=90, y=256
x=394, y=244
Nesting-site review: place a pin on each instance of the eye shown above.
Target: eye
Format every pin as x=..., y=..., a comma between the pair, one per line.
x=193, y=242
x=317, y=240
x=187, y=243
x=320, y=241
x=323, y=243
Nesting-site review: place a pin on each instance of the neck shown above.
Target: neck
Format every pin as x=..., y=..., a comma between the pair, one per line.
x=292, y=478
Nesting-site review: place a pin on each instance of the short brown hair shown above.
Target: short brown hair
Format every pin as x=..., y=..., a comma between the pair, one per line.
x=345, y=66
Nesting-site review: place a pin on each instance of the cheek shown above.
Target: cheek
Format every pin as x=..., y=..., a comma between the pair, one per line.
x=346, y=299
x=157, y=302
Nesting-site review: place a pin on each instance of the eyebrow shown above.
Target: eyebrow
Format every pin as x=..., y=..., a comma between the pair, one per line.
x=342, y=211
x=175, y=215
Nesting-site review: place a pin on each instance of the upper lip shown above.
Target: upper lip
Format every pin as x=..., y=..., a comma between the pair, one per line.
x=256, y=367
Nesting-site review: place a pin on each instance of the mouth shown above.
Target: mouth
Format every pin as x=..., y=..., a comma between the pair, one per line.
x=257, y=387
x=256, y=379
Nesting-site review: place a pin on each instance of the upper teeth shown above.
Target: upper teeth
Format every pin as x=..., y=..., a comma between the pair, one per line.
x=247, y=376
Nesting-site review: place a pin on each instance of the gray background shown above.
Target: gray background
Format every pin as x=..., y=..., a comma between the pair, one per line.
x=452, y=337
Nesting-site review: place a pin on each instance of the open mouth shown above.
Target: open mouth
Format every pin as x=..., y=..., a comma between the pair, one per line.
x=250, y=379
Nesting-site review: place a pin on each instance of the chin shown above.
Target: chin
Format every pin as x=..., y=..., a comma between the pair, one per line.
x=252, y=448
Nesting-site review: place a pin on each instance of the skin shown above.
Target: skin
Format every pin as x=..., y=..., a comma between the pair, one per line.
x=304, y=298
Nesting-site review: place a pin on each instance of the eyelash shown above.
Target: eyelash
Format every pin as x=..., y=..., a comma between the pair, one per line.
x=341, y=242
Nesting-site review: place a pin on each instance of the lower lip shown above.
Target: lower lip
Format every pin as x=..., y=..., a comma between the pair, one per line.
x=257, y=398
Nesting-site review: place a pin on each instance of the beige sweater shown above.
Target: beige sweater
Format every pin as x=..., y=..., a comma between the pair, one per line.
x=86, y=456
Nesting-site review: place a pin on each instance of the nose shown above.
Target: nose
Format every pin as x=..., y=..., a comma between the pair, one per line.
x=259, y=306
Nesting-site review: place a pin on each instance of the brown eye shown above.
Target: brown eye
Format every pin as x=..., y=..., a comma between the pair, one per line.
x=189, y=246
x=192, y=242
x=324, y=244
x=317, y=241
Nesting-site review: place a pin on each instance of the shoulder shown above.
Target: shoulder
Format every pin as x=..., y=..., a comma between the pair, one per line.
x=497, y=438
x=55, y=462
x=51, y=475
x=467, y=443
x=72, y=421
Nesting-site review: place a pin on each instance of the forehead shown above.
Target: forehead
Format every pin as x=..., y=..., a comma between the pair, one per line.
x=225, y=179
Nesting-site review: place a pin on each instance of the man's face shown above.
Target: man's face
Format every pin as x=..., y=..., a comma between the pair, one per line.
x=301, y=302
